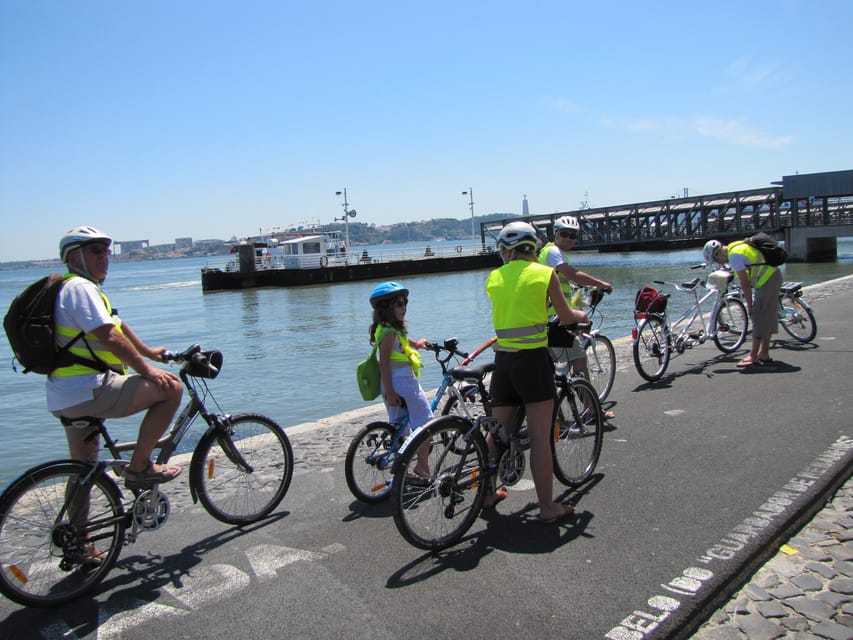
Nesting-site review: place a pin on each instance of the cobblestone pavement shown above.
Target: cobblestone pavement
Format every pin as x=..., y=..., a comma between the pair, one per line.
x=804, y=591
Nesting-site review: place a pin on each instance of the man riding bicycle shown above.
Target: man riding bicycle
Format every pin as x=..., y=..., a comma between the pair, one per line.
x=97, y=384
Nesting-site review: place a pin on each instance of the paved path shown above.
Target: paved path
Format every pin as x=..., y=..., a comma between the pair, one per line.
x=804, y=591
x=689, y=501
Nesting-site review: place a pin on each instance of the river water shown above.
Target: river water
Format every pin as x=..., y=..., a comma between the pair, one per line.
x=291, y=353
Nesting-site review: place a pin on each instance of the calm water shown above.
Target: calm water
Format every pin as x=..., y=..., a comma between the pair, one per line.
x=291, y=353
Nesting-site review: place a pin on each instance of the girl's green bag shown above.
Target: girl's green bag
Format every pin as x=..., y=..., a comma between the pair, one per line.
x=367, y=374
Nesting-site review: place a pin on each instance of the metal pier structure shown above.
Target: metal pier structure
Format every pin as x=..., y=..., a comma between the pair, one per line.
x=808, y=211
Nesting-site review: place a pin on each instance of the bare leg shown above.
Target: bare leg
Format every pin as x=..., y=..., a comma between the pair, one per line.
x=162, y=405
x=539, y=415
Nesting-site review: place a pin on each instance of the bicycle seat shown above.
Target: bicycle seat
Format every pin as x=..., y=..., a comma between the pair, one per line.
x=81, y=422
x=790, y=287
x=689, y=286
x=472, y=372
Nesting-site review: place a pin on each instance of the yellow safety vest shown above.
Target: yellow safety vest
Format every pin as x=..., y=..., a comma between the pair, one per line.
x=758, y=275
x=519, y=294
x=408, y=357
x=570, y=291
x=64, y=335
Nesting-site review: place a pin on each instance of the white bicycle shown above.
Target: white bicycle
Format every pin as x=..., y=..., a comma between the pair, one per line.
x=654, y=340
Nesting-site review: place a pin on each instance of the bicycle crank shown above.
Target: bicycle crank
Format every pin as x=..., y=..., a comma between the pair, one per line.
x=511, y=466
x=151, y=510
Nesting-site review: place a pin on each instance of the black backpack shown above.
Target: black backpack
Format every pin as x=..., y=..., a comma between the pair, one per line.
x=773, y=254
x=30, y=328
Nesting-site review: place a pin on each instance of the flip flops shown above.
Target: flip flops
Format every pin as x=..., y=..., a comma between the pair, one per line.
x=568, y=512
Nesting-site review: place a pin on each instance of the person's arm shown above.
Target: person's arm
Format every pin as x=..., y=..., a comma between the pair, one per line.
x=386, y=346
x=582, y=278
x=746, y=287
x=566, y=314
x=126, y=350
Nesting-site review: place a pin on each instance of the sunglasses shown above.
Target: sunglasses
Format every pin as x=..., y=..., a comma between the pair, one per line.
x=569, y=234
x=98, y=249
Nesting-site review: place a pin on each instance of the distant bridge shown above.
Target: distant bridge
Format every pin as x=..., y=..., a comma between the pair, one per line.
x=807, y=211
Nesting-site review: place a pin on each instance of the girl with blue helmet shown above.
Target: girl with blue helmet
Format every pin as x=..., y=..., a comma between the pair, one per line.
x=399, y=362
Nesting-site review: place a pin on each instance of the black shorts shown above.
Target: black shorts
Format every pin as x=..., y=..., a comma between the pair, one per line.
x=522, y=376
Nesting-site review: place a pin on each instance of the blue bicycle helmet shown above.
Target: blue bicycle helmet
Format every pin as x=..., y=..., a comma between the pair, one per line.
x=387, y=291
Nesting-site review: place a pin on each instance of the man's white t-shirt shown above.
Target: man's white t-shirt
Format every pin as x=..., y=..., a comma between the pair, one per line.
x=80, y=306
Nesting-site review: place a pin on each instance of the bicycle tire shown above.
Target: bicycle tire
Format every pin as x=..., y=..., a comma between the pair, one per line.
x=369, y=460
x=434, y=513
x=797, y=318
x=230, y=492
x=601, y=364
x=731, y=325
x=577, y=433
x=41, y=564
x=651, y=349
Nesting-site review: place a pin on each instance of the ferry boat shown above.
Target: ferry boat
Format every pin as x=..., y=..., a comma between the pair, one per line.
x=323, y=258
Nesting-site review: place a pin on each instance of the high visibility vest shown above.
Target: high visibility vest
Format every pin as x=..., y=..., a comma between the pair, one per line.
x=519, y=294
x=570, y=291
x=64, y=335
x=408, y=357
x=758, y=275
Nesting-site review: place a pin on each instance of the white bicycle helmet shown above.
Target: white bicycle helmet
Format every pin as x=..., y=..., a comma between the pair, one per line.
x=81, y=236
x=567, y=223
x=516, y=235
x=709, y=253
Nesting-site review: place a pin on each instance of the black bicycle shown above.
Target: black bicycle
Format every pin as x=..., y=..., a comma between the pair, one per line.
x=435, y=512
x=63, y=523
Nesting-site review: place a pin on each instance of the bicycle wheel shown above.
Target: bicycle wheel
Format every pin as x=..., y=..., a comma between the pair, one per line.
x=797, y=319
x=368, y=463
x=651, y=348
x=242, y=470
x=601, y=363
x=731, y=324
x=577, y=433
x=47, y=527
x=435, y=512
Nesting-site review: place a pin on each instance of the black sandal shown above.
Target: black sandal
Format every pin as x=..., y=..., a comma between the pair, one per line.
x=148, y=477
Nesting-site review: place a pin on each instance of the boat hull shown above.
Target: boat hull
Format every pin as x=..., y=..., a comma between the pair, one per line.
x=213, y=279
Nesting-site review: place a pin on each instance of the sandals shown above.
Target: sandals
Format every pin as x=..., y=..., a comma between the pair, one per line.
x=568, y=511
x=148, y=477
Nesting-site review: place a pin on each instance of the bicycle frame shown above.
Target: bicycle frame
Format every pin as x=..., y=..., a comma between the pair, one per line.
x=682, y=325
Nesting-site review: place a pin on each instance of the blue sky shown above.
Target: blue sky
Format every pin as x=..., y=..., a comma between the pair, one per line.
x=156, y=120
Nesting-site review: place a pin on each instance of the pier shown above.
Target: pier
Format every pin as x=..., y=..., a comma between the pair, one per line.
x=807, y=211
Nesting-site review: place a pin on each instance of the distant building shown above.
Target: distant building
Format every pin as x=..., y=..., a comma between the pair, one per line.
x=183, y=243
x=126, y=246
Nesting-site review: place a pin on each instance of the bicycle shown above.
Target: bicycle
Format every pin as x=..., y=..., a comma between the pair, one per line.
x=54, y=514
x=373, y=450
x=434, y=512
x=654, y=339
x=600, y=354
x=795, y=314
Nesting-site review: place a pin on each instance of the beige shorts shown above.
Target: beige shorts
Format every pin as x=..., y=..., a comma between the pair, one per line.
x=111, y=400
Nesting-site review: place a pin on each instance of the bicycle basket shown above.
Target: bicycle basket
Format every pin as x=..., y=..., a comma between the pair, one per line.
x=650, y=300
x=204, y=364
x=559, y=336
x=719, y=280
